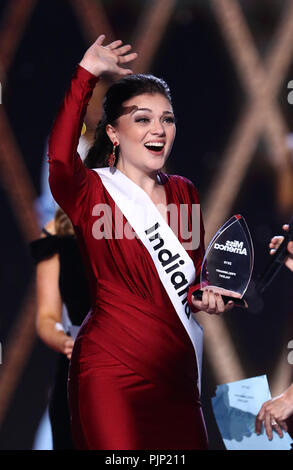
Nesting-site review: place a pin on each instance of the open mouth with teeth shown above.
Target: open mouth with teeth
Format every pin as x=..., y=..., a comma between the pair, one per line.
x=157, y=147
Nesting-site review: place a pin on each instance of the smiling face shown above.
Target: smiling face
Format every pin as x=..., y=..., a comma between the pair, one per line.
x=145, y=132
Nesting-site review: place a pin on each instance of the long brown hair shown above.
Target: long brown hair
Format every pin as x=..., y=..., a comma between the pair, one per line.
x=63, y=225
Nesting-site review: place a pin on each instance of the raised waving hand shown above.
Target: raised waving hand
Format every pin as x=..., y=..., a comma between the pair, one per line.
x=100, y=59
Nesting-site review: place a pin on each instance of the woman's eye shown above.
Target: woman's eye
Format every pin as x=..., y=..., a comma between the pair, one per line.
x=170, y=120
x=142, y=119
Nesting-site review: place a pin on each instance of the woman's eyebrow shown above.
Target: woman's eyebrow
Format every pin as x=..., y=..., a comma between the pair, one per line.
x=149, y=110
x=140, y=109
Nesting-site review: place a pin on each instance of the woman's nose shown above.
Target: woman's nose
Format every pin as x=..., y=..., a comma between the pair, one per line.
x=157, y=128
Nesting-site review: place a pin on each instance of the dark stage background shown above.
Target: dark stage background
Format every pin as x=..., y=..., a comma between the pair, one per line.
x=231, y=142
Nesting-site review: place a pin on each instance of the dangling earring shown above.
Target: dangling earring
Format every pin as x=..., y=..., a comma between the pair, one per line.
x=112, y=156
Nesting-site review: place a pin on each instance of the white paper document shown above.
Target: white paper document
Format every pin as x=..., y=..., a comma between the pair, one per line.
x=235, y=406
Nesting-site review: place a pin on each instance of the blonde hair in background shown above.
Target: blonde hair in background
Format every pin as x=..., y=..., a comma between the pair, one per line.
x=63, y=224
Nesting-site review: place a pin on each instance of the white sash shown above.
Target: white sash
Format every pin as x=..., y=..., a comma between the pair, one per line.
x=174, y=265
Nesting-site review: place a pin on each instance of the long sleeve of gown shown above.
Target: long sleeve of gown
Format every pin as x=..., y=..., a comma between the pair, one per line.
x=68, y=177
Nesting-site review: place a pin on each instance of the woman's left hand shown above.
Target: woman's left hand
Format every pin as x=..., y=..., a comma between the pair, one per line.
x=212, y=301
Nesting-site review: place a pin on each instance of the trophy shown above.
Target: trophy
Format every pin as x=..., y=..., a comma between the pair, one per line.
x=228, y=262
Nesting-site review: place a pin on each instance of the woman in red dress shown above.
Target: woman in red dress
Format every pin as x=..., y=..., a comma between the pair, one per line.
x=133, y=380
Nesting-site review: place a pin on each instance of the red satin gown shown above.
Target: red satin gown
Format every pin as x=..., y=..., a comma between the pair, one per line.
x=133, y=373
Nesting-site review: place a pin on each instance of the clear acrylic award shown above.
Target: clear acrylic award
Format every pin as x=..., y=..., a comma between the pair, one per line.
x=228, y=262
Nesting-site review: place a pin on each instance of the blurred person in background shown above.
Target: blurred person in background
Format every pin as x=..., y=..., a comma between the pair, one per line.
x=275, y=412
x=60, y=281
